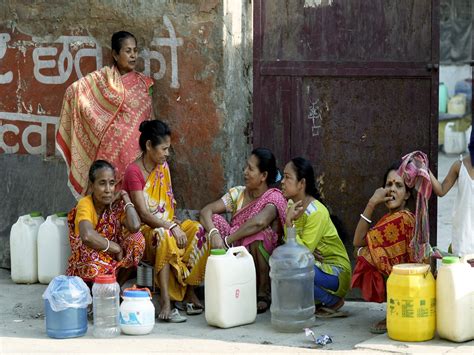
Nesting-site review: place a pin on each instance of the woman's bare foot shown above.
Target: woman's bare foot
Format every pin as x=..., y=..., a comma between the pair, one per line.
x=165, y=309
x=191, y=297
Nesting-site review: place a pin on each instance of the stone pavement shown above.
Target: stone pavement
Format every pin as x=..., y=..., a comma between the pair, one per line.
x=22, y=327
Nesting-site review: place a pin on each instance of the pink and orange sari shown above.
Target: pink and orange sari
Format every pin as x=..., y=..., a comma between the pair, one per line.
x=388, y=244
x=87, y=263
x=99, y=119
x=233, y=201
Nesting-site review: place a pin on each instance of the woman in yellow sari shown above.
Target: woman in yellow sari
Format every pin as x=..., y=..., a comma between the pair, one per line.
x=178, y=250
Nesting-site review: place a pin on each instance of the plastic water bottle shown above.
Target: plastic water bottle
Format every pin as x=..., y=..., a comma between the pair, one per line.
x=105, y=301
x=292, y=276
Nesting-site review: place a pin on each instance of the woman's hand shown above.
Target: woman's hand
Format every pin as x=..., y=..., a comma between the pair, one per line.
x=116, y=250
x=176, y=220
x=119, y=255
x=317, y=255
x=294, y=211
x=121, y=195
x=180, y=236
x=216, y=241
x=380, y=196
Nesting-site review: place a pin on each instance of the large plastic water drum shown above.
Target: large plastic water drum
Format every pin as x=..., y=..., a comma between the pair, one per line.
x=230, y=291
x=53, y=247
x=411, y=303
x=455, y=299
x=24, y=248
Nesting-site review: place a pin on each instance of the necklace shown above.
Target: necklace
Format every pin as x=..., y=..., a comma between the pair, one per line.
x=144, y=166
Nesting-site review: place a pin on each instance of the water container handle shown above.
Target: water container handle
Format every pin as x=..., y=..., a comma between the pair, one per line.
x=239, y=249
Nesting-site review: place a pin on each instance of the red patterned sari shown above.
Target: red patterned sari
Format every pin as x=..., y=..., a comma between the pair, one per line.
x=87, y=263
x=99, y=119
x=388, y=244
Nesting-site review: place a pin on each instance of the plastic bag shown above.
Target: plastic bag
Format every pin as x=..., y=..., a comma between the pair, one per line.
x=67, y=292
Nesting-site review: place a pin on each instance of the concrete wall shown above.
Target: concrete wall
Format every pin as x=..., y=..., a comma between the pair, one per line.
x=198, y=52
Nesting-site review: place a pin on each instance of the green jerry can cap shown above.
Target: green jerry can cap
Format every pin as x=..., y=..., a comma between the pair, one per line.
x=61, y=214
x=450, y=260
x=35, y=214
x=218, y=251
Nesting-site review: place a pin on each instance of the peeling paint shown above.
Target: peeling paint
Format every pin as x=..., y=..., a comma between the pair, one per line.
x=316, y=3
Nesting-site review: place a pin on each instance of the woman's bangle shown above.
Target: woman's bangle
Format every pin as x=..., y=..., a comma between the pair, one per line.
x=212, y=231
x=108, y=246
x=128, y=204
x=225, y=242
x=365, y=218
x=173, y=225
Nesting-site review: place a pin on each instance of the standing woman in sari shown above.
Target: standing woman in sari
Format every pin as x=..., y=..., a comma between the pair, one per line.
x=258, y=217
x=103, y=233
x=101, y=114
x=178, y=250
x=385, y=244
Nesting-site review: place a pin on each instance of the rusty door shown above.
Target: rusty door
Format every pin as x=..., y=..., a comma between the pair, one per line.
x=350, y=84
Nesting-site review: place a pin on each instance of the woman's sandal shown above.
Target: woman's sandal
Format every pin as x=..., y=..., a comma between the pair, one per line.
x=379, y=327
x=190, y=308
x=175, y=317
x=265, y=300
x=325, y=312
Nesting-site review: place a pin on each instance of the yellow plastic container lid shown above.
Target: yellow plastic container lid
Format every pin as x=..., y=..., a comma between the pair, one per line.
x=410, y=269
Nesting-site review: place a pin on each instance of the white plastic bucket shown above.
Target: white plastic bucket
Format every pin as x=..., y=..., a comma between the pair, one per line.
x=455, y=299
x=53, y=247
x=230, y=290
x=137, y=313
x=24, y=248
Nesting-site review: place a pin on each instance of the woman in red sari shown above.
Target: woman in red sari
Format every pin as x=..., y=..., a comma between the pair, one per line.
x=385, y=244
x=258, y=215
x=101, y=114
x=104, y=229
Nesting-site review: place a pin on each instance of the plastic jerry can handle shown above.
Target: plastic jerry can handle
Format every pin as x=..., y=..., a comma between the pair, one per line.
x=239, y=249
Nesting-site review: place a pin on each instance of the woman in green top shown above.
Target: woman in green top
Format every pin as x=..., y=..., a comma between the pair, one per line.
x=316, y=231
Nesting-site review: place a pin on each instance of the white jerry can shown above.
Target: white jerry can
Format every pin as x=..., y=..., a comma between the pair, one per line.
x=24, y=248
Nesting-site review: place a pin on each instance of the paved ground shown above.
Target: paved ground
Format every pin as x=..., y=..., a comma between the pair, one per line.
x=22, y=327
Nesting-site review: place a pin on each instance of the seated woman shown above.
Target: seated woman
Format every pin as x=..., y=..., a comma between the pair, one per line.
x=316, y=231
x=385, y=244
x=177, y=250
x=258, y=216
x=104, y=229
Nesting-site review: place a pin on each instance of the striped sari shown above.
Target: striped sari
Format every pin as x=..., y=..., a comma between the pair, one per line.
x=99, y=119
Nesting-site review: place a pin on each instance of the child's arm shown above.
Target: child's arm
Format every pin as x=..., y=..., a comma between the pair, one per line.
x=443, y=188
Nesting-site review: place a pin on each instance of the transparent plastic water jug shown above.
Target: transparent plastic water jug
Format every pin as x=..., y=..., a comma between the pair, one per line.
x=105, y=301
x=292, y=279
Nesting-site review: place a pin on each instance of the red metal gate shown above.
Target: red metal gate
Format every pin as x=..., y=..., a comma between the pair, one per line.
x=351, y=85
